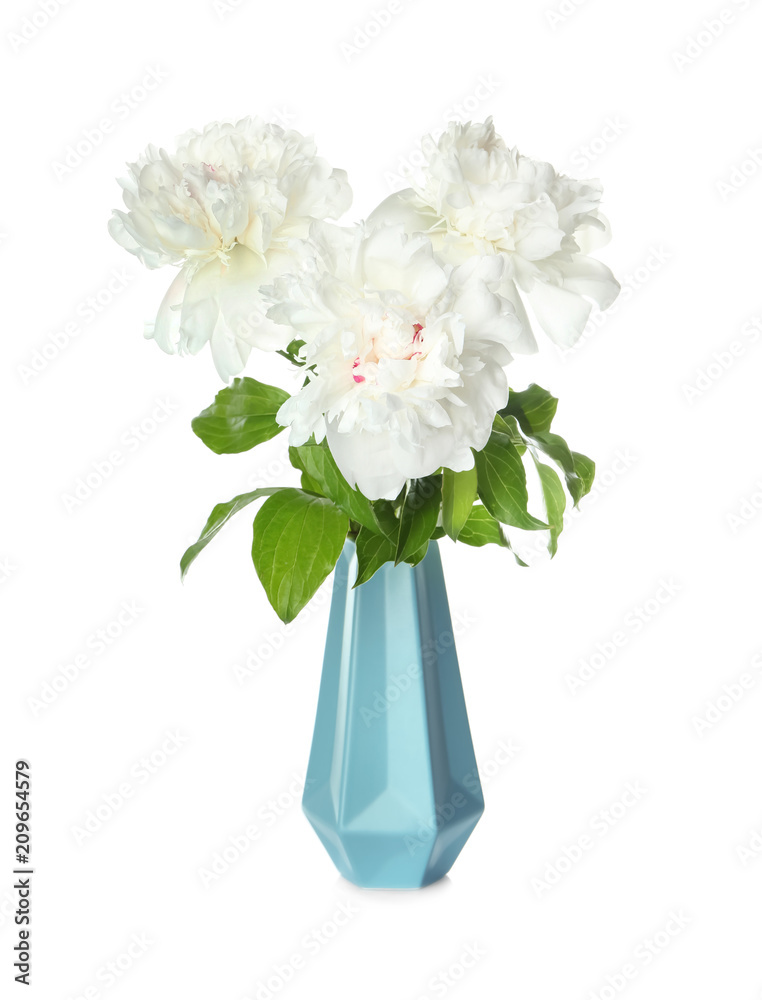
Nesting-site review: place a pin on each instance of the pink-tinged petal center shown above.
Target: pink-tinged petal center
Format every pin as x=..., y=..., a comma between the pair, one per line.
x=357, y=378
x=417, y=327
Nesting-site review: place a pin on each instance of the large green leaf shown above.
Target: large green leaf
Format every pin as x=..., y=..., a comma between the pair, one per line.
x=220, y=515
x=418, y=516
x=373, y=551
x=459, y=491
x=241, y=416
x=534, y=407
x=297, y=540
x=555, y=502
x=503, y=483
x=481, y=528
x=320, y=467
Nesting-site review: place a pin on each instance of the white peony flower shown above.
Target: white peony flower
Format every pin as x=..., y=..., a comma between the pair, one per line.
x=226, y=207
x=477, y=196
x=405, y=353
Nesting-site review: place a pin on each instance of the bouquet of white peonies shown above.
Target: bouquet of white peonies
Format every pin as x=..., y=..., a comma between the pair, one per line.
x=404, y=427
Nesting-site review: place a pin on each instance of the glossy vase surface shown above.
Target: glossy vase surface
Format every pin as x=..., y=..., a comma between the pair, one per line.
x=392, y=786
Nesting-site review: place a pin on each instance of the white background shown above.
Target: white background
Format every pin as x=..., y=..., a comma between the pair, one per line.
x=672, y=471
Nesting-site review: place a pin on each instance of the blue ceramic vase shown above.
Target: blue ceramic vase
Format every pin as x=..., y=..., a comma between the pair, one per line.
x=392, y=786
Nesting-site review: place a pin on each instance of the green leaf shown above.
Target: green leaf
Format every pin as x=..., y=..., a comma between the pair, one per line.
x=516, y=556
x=310, y=486
x=317, y=462
x=241, y=416
x=373, y=551
x=555, y=502
x=503, y=483
x=459, y=491
x=291, y=353
x=418, y=515
x=481, y=528
x=219, y=517
x=534, y=408
x=388, y=522
x=531, y=412
x=419, y=555
x=578, y=482
x=585, y=469
x=504, y=423
x=297, y=540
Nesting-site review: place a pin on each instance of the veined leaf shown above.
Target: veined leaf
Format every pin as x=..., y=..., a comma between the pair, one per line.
x=419, y=555
x=481, y=528
x=241, y=416
x=555, y=502
x=554, y=446
x=418, y=515
x=585, y=469
x=459, y=491
x=388, y=521
x=310, y=486
x=220, y=515
x=503, y=483
x=534, y=407
x=297, y=540
x=317, y=462
x=373, y=551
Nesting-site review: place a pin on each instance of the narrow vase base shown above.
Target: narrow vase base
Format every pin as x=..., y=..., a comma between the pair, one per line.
x=399, y=888
x=393, y=860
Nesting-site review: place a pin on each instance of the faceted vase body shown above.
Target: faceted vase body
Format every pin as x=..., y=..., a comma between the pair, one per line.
x=392, y=786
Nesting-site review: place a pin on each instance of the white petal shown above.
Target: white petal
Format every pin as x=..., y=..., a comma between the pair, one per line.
x=403, y=208
x=595, y=235
x=367, y=461
x=561, y=314
x=406, y=264
x=524, y=342
x=229, y=352
x=166, y=329
x=589, y=277
x=223, y=304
